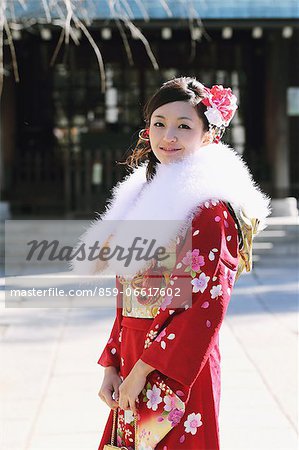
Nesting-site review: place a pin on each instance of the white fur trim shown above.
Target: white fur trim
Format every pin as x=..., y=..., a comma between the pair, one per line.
x=178, y=189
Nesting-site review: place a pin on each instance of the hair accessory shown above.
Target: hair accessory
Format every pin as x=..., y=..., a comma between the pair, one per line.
x=216, y=133
x=221, y=105
x=144, y=134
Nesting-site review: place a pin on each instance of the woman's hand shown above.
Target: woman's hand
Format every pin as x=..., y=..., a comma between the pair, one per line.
x=110, y=386
x=133, y=385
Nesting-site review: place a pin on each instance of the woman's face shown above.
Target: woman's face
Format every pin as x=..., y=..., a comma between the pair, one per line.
x=176, y=131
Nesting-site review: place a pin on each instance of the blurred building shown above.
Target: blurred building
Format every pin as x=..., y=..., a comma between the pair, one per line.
x=61, y=136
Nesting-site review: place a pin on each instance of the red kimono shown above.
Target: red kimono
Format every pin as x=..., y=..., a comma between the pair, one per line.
x=182, y=344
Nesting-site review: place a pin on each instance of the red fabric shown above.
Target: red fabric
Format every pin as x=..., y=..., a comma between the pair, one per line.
x=189, y=359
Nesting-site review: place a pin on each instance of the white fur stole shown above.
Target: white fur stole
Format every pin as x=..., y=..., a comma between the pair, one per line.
x=158, y=209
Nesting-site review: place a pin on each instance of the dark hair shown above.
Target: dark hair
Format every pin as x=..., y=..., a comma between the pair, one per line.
x=178, y=89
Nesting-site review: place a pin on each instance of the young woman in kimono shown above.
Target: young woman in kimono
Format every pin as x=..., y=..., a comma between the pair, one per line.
x=162, y=360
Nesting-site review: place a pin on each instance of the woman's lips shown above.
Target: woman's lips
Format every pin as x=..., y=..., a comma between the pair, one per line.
x=165, y=149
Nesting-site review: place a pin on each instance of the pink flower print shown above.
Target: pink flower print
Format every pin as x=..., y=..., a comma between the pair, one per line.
x=187, y=260
x=175, y=417
x=161, y=335
x=170, y=403
x=167, y=301
x=180, y=393
x=192, y=423
x=205, y=305
x=200, y=283
x=193, y=260
x=216, y=291
x=182, y=439
x=218, y=219
x=143, y=433
x=154, y=398
x=230, y=275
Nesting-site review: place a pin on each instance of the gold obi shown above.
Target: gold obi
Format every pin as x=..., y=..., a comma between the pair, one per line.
x=249, y=228
x=144, y=303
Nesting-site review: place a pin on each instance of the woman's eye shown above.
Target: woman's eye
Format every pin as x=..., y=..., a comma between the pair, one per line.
x=183, y=125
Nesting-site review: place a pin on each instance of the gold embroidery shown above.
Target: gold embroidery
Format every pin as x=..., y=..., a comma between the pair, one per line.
x=151, y=282
x=249, y=228
x=139, y=306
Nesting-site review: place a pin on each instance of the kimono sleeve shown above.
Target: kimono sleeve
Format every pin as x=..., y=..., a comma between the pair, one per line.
x=111, y=353
x=182, y=348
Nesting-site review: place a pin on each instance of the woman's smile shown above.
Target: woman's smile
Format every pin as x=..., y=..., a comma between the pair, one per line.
x=170, y=149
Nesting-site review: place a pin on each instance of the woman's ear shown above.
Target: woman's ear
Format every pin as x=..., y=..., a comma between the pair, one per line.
x=208, y=137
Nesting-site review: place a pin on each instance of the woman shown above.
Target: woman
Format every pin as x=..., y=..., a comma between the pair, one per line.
x=162, y=361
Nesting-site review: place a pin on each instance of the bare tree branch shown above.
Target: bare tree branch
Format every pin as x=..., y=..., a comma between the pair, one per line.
x=166, y=8
x=96, y=50
x=137, y=32
x=2, y=19
x=126, y=7
x=47, y=10
x=143, y=10
x=134, y=30
x=125, y=41
x=12, y=11
x=12, y=51
x=73, y=36
x=68, y=20
x=58, y=46
x=59, y=11
x=66, y=13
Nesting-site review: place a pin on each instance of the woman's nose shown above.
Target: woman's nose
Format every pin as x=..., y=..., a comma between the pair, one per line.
x=169, y=136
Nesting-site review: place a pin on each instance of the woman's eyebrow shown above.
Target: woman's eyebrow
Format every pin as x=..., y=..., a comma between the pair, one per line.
x=186, y=118
x=179, y=118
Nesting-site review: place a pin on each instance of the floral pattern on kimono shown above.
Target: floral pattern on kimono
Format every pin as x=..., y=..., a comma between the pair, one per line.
x=181, y=342
x=211, y=266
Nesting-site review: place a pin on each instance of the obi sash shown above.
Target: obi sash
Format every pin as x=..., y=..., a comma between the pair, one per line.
x=144, y=294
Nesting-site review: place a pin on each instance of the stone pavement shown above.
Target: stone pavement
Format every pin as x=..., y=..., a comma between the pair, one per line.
x=50, y=379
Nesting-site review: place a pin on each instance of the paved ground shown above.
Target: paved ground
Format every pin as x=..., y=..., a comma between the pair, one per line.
x=50, y=379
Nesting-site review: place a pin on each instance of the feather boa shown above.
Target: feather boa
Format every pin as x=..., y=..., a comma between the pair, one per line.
x=159, y=209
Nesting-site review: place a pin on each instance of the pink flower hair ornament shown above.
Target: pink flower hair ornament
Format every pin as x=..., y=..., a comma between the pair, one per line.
x=221, y=106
